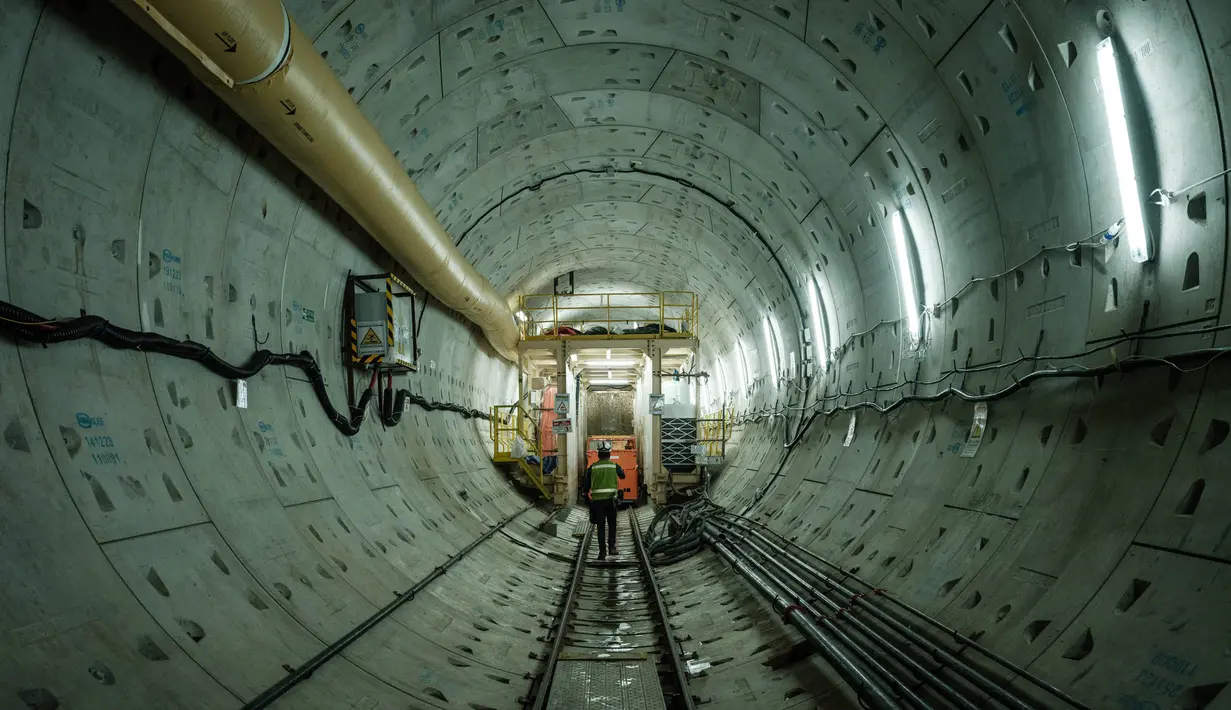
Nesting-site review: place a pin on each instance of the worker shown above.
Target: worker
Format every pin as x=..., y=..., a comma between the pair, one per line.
x=601, y=487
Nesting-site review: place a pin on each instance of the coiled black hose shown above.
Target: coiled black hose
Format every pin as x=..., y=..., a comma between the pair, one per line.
x=23, y=325
x=675, y=532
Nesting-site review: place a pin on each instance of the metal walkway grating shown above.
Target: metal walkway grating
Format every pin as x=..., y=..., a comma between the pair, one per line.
x=607, y=684
x=580, y=521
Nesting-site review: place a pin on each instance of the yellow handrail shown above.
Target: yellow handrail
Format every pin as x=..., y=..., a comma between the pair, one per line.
x=611, y=315
x=716, y=431
x=508, y=422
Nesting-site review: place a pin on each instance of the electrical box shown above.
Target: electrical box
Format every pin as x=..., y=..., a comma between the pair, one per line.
x=383, y=323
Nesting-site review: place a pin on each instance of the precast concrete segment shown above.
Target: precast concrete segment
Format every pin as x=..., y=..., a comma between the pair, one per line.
x=305, y=671
x=1083, y=540
x=306, y=532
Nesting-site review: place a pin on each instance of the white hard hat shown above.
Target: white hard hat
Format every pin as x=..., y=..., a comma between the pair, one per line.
x=604, y=445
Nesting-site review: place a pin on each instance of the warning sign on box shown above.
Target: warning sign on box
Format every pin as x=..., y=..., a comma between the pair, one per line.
x=371, y=338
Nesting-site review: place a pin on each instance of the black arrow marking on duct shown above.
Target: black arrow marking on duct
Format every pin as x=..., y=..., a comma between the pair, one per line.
x=228, y=40
x=289, y=106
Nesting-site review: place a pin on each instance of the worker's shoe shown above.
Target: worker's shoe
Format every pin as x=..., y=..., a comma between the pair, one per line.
x=614, y=551
x=602, y=555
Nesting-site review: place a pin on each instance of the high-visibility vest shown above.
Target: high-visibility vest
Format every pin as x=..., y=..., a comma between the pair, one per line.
x=603, y=480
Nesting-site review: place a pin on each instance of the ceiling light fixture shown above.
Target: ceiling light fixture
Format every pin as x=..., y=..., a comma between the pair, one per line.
x=906, y=277
x=609, y=382
x=1139, y=247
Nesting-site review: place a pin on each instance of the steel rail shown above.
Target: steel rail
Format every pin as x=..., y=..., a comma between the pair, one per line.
x=677, y=662
x=570, y=600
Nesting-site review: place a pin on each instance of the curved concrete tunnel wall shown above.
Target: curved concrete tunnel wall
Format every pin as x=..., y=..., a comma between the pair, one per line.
x=226, y=543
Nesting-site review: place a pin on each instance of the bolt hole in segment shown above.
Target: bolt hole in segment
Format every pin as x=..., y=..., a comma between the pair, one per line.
x=611, y=633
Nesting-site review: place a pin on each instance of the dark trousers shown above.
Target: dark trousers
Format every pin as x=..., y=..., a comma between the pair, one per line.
x=603, y=513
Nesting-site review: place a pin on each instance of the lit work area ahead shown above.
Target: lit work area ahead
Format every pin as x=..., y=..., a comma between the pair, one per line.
x=688, y=354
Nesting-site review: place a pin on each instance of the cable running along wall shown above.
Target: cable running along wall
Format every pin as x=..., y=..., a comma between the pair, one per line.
x=23, y=325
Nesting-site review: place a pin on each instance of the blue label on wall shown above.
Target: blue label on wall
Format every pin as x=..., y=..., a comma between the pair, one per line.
x=85, y=421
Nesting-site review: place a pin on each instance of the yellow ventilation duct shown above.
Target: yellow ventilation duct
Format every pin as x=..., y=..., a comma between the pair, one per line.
x=257, y=60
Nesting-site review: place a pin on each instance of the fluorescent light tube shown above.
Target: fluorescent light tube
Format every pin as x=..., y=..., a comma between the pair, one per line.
x=773, y=352
x=906, y=276
x=779, y=344
x=1134, y=231
x=818, y=335
x=743, y=361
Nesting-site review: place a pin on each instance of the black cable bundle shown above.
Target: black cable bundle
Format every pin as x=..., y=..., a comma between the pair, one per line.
x=675, y=533
x=30, y=327
x=392, y=406
x=432, y=406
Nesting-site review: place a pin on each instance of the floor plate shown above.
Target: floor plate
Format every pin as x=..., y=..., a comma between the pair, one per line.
x=606, y=685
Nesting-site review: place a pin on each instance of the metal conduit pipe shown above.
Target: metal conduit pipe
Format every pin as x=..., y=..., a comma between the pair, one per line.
x=745, y=523
x=851, y=672
x=877, y=639
x=256, y=59
x=860, y=649
x=959, y=665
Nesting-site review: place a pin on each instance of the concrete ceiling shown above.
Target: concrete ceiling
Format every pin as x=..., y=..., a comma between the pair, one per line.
x=162, y=548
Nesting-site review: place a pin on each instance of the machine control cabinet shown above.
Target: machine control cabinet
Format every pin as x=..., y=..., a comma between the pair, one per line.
x=383, y=323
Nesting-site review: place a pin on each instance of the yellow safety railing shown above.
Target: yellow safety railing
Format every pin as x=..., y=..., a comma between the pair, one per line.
x=507, y=423
x=666, y=314
x=715, y=431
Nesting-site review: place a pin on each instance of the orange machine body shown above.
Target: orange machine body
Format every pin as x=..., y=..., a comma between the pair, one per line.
x=623, y=452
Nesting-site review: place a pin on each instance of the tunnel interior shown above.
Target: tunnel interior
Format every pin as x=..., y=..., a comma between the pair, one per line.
x=893, y=211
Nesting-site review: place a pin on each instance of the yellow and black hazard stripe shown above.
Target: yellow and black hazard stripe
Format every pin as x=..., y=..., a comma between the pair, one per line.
x=371, y=359
x=354, y=341
x=389, y=313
